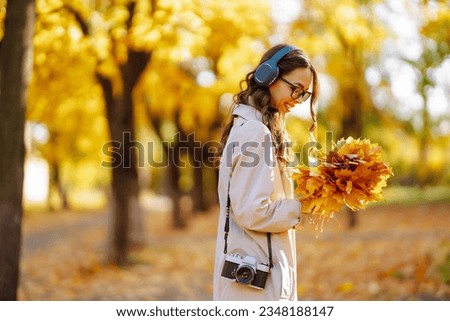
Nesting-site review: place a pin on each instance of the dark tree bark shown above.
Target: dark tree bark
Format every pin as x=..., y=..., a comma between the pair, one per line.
x=356, y=98
x=210, y=177
x=172, y=171
x=125, y=185
x=198, y=190
x=425, y=135
x=15, y=72
x=55, y=183
x=173, y=177
x=352, y=125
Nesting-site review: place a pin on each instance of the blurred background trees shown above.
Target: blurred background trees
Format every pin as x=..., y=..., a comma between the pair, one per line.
x=128, y=96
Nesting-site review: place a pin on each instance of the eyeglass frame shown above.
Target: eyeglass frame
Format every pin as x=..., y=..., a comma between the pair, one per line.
x=295, y=88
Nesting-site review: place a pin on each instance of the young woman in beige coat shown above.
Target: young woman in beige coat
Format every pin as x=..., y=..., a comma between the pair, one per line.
x=256, y=253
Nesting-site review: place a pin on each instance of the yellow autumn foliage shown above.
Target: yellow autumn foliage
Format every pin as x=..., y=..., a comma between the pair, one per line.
x=352, y=174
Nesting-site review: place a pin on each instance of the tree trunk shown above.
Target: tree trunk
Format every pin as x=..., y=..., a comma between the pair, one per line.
x=125, y=186
x=123, y=171
x=15, y=72
x=173, y=176
x=131, y=72
x=56, y=184
x=211, y=176
x=352, y=124
x=198, y=190
x=172, y=171
x=425, y=135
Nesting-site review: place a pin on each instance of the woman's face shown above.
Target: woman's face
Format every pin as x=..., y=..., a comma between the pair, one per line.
x=281, y=90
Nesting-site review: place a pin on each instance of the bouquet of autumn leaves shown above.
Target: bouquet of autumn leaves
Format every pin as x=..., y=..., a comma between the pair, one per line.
x=352, y=174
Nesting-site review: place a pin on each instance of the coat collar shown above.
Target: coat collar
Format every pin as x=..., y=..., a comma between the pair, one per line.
x=247, y=112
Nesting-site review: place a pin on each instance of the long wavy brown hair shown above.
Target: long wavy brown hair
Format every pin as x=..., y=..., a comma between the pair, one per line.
x=259, y=98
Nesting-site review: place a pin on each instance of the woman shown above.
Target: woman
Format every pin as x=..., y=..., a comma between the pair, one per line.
x=256, y=254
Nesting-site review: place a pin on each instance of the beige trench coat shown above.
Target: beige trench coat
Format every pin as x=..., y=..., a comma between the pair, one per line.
x=261, y=202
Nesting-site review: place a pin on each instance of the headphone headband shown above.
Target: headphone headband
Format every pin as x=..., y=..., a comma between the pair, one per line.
x=267, y=72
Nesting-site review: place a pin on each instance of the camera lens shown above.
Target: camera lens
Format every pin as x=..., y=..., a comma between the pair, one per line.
x=245, y=274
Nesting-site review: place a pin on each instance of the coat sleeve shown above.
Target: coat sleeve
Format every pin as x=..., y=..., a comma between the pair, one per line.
x=252, y=184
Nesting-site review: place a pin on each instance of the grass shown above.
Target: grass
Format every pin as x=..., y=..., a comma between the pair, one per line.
x=410, y=195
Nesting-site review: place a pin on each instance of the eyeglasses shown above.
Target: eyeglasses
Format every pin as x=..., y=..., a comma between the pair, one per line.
x=297, y=92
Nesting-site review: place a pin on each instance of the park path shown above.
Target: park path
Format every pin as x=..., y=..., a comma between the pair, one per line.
x=394, y=253
x=61, y=226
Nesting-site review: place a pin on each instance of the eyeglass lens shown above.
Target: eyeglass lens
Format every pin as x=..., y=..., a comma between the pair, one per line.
x=299, y=93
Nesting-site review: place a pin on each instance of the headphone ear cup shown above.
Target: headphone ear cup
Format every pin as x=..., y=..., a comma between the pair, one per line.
x=266, y=74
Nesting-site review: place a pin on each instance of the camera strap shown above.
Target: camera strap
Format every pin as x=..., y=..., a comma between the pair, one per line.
x=227, y=230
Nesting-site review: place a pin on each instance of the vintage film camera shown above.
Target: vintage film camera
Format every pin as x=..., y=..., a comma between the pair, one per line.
x=245, y=270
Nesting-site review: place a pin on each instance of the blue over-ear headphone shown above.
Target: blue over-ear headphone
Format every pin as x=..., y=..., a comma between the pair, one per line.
x=267, y=72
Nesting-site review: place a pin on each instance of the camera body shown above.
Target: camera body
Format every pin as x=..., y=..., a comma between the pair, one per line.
x=245, y=270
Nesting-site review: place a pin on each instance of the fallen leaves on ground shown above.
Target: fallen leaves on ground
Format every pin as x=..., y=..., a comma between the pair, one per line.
x=394, y=253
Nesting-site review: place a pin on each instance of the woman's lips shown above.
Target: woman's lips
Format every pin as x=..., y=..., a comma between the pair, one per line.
x=289, y=105
x=284, y=105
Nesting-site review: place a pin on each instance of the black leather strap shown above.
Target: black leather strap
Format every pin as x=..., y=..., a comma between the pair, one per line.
x=269, y=246
x=227, y=220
